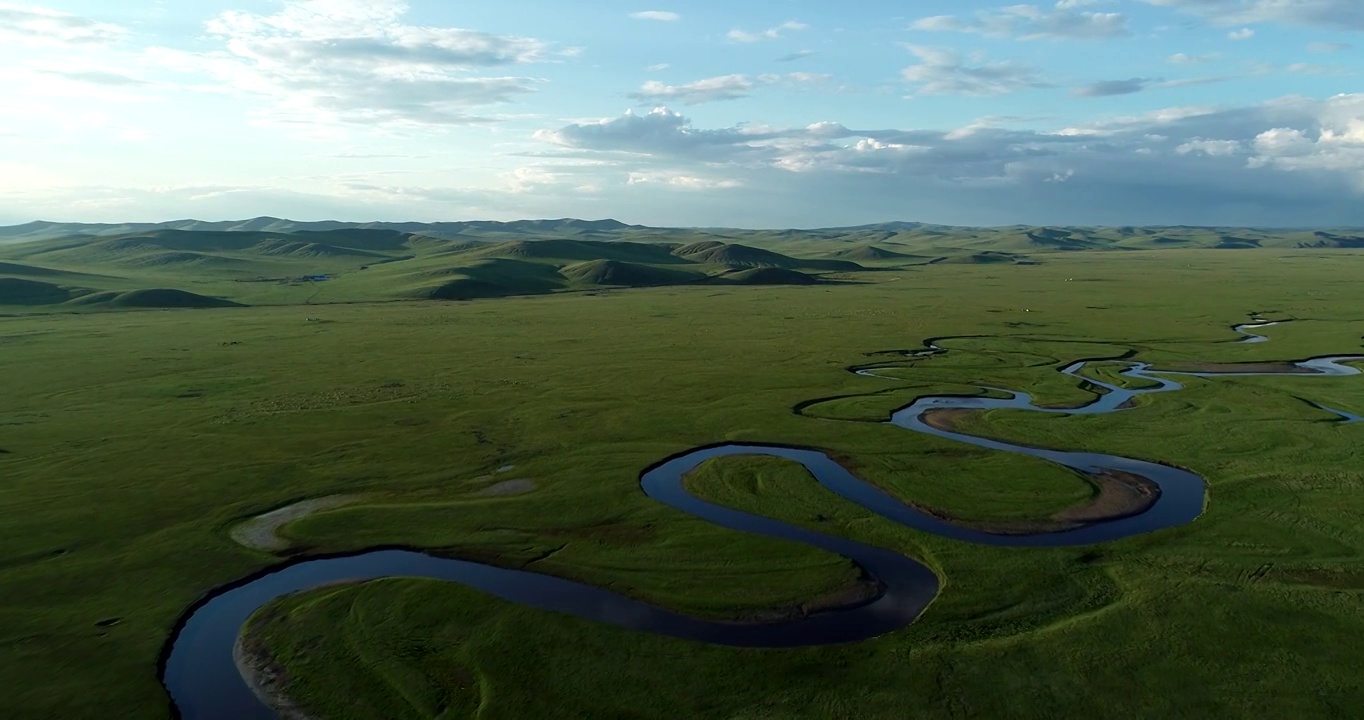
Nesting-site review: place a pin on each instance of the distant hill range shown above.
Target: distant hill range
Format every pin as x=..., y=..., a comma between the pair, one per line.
x=47, y=230
x=1015, y=237
x=73, y=267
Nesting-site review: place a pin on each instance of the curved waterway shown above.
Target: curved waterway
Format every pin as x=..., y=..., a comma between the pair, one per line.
x=1251, y=337
x=201, y=675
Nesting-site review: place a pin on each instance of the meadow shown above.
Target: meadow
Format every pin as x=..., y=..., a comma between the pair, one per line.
x=134, y=442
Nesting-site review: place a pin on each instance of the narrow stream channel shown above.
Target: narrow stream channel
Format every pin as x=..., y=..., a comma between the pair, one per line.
x=204, y=683
x=1251, y=337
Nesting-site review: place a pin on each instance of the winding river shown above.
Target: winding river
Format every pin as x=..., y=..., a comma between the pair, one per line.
x=202, y=678
x=1251, y=337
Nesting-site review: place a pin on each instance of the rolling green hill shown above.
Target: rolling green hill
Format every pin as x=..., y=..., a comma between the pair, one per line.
x=253, y=263
x=151, y=298
x=767, y=276
x=988, y=257
x=272, y=261
x=625, y=274
x=17, y=291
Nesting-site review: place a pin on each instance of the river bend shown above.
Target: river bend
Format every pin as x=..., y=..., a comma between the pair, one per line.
x=204, y=683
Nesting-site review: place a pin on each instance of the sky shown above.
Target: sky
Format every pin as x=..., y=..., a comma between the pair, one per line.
x=755, y=114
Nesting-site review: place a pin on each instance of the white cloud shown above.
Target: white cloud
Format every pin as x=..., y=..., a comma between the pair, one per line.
x=681, y=181
x=1030, y=22
x=1333, y=147
x=577, y=178
x=1176, y=164
x=37, y=26
x=659, y=15
x=660, y=131
x=1242, y=34
x=944, y=72
x=356, y=61
x=1187, y=59
x=724, y=87
x=774, y=33
x=1292, y=161
x=1209, y=147
x=94, y=77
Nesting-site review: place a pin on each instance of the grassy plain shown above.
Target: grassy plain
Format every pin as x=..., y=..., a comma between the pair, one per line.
x=135, y=441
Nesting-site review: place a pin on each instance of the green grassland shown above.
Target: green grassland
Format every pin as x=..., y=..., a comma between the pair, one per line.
x=134, y=441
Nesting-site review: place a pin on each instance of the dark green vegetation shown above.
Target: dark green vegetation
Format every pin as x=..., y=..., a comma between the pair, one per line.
x=135, y=441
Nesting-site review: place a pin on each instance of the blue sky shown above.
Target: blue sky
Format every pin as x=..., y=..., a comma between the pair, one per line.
x=757, y=114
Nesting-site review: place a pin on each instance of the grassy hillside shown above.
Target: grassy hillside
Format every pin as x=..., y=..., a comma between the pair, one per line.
x=18, y=291
x=154, y=298
x=270, y=261
x=767, y=276
x=252, y=264
x=626, y=274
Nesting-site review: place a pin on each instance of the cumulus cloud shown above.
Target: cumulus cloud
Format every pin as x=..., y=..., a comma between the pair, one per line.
x=1242, y=34
x=357, y=61
x=1338, y=149
x=1030, y=22
x=945, y=72
x=774, y=33
x=1336, y=14
x=658, y=132
x=724, y=87
x=659, y=15
x=37, y=26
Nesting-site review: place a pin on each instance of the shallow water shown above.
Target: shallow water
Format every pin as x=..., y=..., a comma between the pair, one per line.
x=204, y=683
